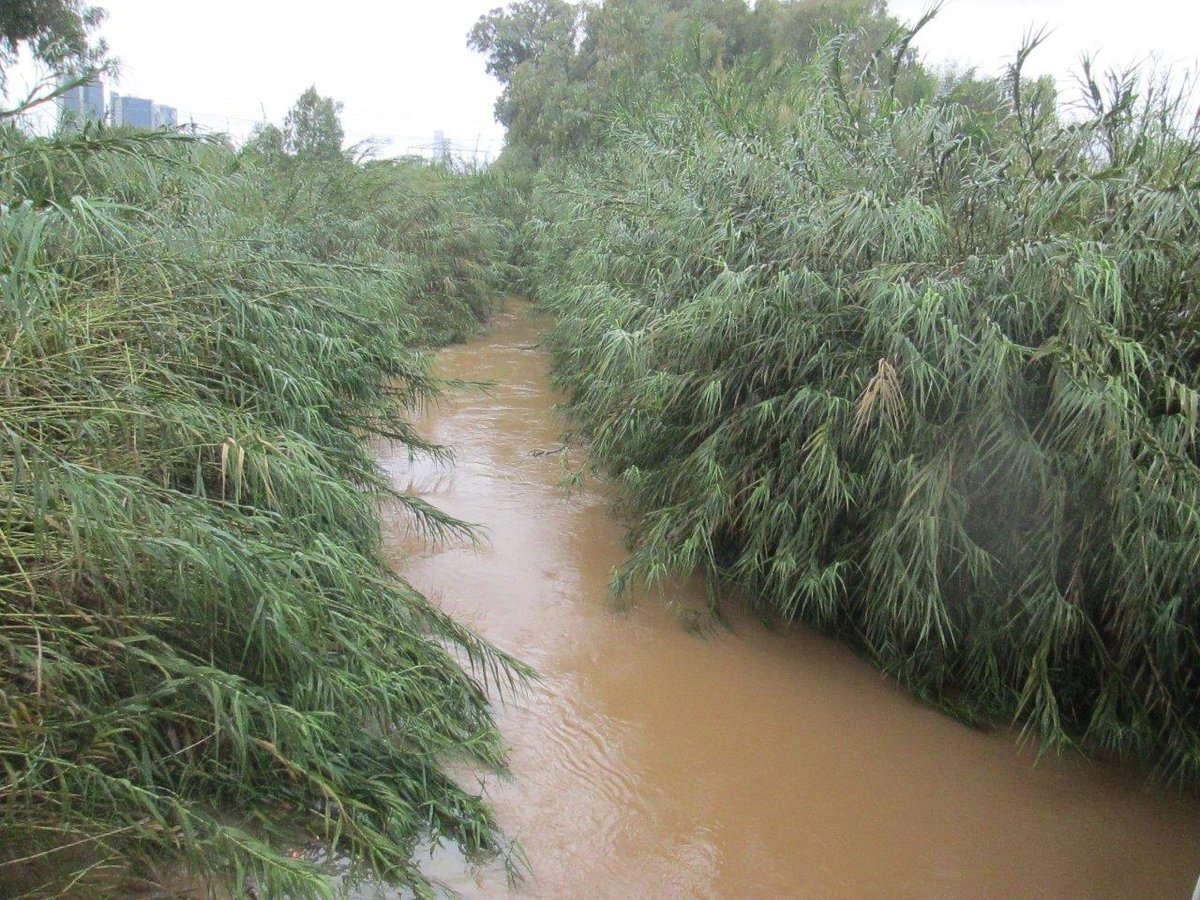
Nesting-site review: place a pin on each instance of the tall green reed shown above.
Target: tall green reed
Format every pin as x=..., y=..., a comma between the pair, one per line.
x=921, y=374
x=201, y=649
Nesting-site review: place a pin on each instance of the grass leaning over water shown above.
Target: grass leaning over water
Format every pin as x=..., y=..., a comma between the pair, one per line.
x=197, y=633
x=924, y=375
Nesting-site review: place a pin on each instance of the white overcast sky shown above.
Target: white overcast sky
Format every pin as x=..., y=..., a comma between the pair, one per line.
x=987, y=33
x=402, y=67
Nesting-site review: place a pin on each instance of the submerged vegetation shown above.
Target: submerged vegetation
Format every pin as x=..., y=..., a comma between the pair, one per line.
x=199, y=638
x=913, y=359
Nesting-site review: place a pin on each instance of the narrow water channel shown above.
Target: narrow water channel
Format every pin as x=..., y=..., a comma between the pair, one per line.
x=650, y=762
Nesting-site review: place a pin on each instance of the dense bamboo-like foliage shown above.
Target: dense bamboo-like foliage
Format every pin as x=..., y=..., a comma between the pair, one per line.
x=199, y=640
x=441, y=221
x=925, y=375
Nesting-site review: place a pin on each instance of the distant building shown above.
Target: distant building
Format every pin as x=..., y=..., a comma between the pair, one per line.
x=134, y=112
x=441, y=147
x=164, y=116
x=82, y=104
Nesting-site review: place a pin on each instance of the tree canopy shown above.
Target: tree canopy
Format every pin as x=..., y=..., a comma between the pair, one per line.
x=59, y=33
x=568, y=70
x=313, y=127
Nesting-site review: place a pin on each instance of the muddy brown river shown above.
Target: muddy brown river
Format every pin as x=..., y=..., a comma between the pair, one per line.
x=651, y=762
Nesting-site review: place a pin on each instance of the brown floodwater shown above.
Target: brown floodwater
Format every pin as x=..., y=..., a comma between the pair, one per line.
x=652, y=762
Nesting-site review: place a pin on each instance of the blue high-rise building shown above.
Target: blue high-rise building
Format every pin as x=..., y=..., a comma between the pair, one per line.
x=82, y=104
x=134, y=112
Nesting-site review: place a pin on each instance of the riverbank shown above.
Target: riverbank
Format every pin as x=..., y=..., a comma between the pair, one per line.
x=742, y=763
